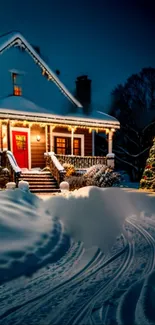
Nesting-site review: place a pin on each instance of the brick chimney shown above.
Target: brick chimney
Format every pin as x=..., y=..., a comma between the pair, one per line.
x=83, y=90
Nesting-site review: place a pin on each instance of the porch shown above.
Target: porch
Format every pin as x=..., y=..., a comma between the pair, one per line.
x=55, y=163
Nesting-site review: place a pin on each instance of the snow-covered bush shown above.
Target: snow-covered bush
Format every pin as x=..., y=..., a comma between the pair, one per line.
x=76, y=182
x=70, y=169
x=99, y=175
x=106, y=178
x=4, y=176
x=94, y=169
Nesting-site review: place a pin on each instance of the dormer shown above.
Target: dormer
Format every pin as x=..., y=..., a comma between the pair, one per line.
x=16, y=82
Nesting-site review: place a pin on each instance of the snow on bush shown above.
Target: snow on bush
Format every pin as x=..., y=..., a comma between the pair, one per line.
x=97, y=175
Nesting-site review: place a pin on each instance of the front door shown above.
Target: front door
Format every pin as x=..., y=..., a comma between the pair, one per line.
x=20, y=147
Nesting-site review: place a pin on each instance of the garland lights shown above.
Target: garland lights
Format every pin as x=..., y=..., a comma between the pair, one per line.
x=53, y=126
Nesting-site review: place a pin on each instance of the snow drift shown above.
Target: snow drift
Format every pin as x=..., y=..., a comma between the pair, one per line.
x=29, y=237
x=35, y=232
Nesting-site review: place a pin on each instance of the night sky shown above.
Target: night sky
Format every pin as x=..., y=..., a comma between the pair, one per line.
x=108, y=40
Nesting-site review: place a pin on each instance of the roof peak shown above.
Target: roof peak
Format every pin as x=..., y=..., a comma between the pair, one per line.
x=15, y=38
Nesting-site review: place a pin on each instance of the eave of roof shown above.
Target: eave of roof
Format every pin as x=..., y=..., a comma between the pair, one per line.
x=58, y=119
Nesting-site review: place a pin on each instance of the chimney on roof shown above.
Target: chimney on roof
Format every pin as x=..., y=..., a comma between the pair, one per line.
x=83, y=90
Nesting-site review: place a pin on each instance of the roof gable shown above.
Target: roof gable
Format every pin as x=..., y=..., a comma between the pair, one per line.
x=16, y=39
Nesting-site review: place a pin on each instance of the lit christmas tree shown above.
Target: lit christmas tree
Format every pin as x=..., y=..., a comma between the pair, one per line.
x=148, y=177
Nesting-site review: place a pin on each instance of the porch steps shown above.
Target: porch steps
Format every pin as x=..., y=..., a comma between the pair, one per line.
x=40, y=182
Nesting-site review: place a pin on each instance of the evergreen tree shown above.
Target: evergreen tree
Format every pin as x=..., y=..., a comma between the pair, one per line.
x=148, y=177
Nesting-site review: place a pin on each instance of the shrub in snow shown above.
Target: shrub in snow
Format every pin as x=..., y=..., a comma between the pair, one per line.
x=5, y=170
x=11, y=186
x=76, y=182
x=94, y=169
x=69, y=168
x=24, y=186
x=107, y=178
x=4, y=176
x=64, y=186
x=98, y=175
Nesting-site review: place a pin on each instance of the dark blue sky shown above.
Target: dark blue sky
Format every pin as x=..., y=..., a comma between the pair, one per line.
x=108, y=40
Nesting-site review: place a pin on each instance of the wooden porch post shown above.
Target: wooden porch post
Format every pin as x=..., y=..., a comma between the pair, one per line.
x=51, y=138
x=93, y=142
x=72, y=142
x=110, y=134
x=8, y=135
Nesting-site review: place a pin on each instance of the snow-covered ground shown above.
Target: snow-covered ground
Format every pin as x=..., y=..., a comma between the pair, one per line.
x=84, y=258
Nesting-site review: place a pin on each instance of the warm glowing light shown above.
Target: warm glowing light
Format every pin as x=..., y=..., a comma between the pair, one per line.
x=43, y=72
x=38, y=138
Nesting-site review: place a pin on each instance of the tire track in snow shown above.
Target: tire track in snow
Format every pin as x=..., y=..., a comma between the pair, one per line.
x=148, y=269
x=84, y=310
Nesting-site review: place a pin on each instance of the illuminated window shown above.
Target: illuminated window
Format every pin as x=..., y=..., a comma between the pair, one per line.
x=17, y=91
x=77, y=147
x=63, y=146
x=20, y=142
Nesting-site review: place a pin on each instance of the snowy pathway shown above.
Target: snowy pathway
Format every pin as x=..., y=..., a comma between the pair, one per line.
x=86, y=286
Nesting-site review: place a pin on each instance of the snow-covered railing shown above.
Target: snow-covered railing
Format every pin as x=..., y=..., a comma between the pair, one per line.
x=8, y=160
x=13, y=162
x=81, y=161
x=57, y=170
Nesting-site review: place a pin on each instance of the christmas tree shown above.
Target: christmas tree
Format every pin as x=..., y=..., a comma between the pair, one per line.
x=148, y=177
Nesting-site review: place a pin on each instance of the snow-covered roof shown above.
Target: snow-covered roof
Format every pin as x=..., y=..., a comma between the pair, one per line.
x=18, y=107
x=19, y=103
x=16, y=39
x=94, y=115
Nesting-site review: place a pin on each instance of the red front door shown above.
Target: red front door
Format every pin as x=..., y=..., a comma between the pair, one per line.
x=20, y=148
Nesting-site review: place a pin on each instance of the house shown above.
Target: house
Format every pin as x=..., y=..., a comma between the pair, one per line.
x=29, y=130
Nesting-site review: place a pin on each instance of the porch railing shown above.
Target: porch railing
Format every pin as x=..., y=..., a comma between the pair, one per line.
x=57, y=170
x=8, y=162
x=81, y=161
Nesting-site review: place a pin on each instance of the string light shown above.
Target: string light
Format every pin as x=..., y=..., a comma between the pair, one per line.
x=57, y=125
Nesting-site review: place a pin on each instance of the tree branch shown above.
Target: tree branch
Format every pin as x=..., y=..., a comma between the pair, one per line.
x=126, y=162
x=133, y=156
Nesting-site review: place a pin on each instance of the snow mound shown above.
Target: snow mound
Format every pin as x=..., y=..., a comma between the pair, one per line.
x=29, y=237
x=93, y=215
x=34, y=233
